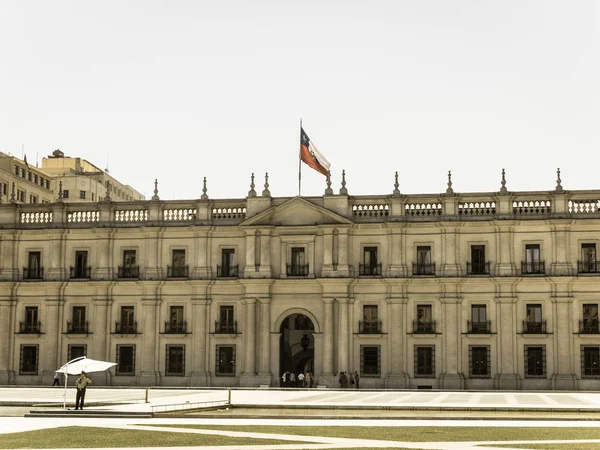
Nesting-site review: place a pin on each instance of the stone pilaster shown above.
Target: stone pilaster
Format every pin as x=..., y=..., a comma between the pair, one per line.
x=264, y=374
x=342, y=335
x=507, y=377
x=561, y=265
x=450, y=265
x=101, y=329
x=249, y=374
x=199, y=375
x=563, y=378
x=149, y=375
x=49, y=346
x=505, y=267
x=451, y=376
x=397, y=378
x=201, y=269
x=5, y=342
x=327, y=373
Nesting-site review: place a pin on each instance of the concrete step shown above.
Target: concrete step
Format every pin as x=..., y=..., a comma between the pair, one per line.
x=98, y=413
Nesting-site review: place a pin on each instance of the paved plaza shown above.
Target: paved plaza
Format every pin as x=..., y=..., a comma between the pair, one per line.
x=582, y=406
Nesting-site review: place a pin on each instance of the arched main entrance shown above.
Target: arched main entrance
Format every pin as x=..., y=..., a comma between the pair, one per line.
x=296, y=345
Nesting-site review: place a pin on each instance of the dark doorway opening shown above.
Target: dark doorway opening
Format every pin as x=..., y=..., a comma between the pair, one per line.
x=296, y=345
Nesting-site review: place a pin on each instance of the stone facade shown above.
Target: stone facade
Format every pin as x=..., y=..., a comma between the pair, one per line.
x=451, y=291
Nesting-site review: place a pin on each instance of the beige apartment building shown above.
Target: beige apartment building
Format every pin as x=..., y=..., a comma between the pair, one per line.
x=23, y=183
x=493, y=290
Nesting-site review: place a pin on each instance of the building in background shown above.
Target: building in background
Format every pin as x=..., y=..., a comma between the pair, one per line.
x=491, y=290
x=24, y=183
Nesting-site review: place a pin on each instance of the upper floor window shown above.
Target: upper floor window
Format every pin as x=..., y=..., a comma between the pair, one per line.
x=127, y=325
x=590, y=361
x=370, y=323
x=589, y=324
x=424, y=264
x=65, y=193
x=178, y=268
x=588, y=263
x=532, y=263
x=176, y=324
x=479, y=322
x=298, y=267
x=81, y=269
x=226, y=322
x=228, y=268
x=424, y=322
x=34, y=270
x=31, y=323
x=33, y=199
x=175, y=360
x=478, y=264
x=371, y=265
x=82, y=195
x=129, y=269
x=533, y=320
x=78, y=321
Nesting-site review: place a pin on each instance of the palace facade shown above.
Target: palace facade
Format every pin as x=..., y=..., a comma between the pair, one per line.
x=495, y=290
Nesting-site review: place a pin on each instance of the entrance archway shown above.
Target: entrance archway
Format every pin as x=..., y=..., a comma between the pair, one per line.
x=296, y=345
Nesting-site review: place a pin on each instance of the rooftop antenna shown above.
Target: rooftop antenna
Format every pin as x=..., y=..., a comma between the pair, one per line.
x=106, y=170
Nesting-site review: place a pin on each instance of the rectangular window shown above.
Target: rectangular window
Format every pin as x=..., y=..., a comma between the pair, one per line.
x=589, y=324
x=533, y=320
x=125, y=359
x=81, y=265
x=226, y=322
x=590, y=361
x=17, y=170
x=479, y=323
x=29, y=359
x=424, y=322
x=298, y=267
x=34, y=266
x=370, y=323
x=175, y=362
x=65, y=193
x=228, y=268
x=28, y=176
x=225, y=361
x=92, y=196
x=20, y=196
x=129, y=269
x=370, y=360
x=176, y=323
x=76, y=351
x=478, y=262
x=129, y=258
x=479, y=361
x=82, y=195
x=128, y=324
x=588, y=259
x=424, y=361
x=370, y=264
x=424, y=264
x=532, y=259
x=31, y=324
x=78, y=318
x=35, y=178
x=22, y=173
x=33, y=199
x=178, y=268
x=535, y=361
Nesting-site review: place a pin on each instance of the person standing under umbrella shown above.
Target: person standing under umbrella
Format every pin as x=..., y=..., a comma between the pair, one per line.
x=82, y=383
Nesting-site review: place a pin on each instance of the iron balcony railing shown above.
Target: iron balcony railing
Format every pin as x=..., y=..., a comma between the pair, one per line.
x=589, y=327
x=226, y=327
x=481, y=268
x=176, y=327
x=533, y=267
x=78, y=327
x=365, y=270
x=534, y=327
x=423, y=269
x=81, y=272
x=36, y=273
x=30, y=327
x=227, y=271
x=479, y=327
x=178, y=271
x=296, y=270
x=423, y=327
x=369, y=327
x=126, y=328
x=129, y=272
x=588, y=266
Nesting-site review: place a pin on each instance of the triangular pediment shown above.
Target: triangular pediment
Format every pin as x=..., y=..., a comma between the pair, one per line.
x=296, y=212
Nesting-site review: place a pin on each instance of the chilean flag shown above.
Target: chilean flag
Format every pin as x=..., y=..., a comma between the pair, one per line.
x=311, y=156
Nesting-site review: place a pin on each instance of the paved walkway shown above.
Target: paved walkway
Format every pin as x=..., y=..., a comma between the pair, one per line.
x=134, y=400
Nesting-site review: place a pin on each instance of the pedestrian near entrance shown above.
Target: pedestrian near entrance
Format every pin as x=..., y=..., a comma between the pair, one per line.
x=300, y=379
x=292, y=379
x=82, y=383
x=356, y=378
x=284, y=379
x=56, y=379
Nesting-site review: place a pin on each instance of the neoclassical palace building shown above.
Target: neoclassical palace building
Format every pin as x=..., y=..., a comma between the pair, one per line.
x=493, y=290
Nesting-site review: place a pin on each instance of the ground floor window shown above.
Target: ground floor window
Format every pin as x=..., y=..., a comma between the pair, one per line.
x=29, y=359
x=370, y=360
x=590, y=361
x=535, y=361
x=175, y=362
x=76, y=351
x=479, y=361
x=125, y=359
x=225, y=359
x=424, y=361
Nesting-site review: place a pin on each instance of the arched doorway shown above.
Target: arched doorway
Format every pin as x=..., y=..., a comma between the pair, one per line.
x=296, y=345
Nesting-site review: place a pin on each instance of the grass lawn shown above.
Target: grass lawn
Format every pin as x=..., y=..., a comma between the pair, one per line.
x=90, y=437
x=418, y=434
x=578, y=446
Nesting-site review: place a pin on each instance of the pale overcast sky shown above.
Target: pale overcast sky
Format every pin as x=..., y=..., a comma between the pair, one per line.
x=178, y=90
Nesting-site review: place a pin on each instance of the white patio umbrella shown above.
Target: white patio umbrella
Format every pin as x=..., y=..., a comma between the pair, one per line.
x=82, y=364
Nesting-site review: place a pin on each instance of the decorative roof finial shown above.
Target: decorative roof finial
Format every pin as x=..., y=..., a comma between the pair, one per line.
x=503, y=182
x=449, y=190
x=60, y=192
x=343, y=190
x=266, y=192
x=328, y=191
x=252, y=192
x=155, y=196
x=107, y=197
x=396, y=185
x=559, y=187
x=12, y=194
x=204, y=196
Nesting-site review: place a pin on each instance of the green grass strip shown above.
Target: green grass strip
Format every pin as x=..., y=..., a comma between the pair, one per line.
x=573, y=446
x=91, y=437
x=416, y=434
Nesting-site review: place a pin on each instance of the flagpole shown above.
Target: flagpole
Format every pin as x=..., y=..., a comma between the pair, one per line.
x=300, y=160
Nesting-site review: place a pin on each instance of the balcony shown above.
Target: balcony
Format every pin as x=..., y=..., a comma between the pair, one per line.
x=369, y=327
x=126, y=328
x=227, y=271
x=589, y=327
x=178, y=271
x=534, y=327
x=296, y=270
x=78, y=327
x=481, y=268
x=533, y=267
x=479, y=327
x=369, y=270
x=423, y=269
x=79, y=273
x=176, y=327
x=33, y=274
x=423, y=327
x=128, y=272
x=226, y=327
x=588, y=267
x=30, y=327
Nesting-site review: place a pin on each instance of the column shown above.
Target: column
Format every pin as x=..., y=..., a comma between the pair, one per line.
x=504, y=247
x=49, y=345
x=327, y=340
x=450, y=266
x=249, y=343
x=5, y=341
x=560, y=251
x=148, y=373
x=396, y=378
x=342, y=337
x=508, y=378
x=451, y=376
x=101, y=326
x=265, y=332
x=562, y=378
x=199, y=348
x=249, y=268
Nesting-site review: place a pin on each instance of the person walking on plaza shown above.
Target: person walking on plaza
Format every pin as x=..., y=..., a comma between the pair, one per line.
x=284, y=379
x=300, y=379
x=82, y=383
x=292, y=379
x=356, y=378
x=56, y=379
